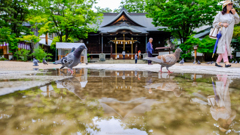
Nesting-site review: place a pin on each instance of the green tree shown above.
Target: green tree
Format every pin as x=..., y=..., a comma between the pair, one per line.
x=57, y=39
x=206, y=45
x=13, y=18
x=103, y=10
x=65, y=18
x=31, y=39
x=181, y=17
x=134, y=6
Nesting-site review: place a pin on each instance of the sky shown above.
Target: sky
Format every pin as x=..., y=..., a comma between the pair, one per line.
x=112, y=4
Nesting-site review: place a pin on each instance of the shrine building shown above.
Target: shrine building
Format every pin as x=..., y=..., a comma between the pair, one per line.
x=125, y=31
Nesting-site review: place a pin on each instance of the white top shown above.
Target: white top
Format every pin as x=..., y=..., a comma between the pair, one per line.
x=229, y=17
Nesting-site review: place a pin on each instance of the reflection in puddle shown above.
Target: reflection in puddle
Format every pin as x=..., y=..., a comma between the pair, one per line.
x=220, y=104
x=124, y=102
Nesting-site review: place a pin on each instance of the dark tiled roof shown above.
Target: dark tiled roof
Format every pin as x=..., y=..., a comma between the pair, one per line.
x=138, y=18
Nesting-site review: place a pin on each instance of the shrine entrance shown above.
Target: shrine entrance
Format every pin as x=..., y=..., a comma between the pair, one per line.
x=123, y=45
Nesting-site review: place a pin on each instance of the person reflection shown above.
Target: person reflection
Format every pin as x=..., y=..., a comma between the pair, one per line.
x=123, y=76
x=221, y=104
x=149, y=82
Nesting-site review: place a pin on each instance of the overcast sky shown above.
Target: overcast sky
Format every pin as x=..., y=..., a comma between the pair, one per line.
x=112, y=4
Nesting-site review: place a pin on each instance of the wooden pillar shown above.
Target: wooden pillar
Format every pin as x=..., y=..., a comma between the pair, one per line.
x=116, y=78
x=132, y=48
x=111, y=52
x=146, y=44
x=136, y=48
x=115, y=41
x=102, y=43
x=195, y=53
x=123, y=42
x=46, y=38
x=115, y=50
x=4, y=49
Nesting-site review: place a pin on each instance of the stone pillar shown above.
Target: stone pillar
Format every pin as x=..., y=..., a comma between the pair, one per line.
x=85, y=56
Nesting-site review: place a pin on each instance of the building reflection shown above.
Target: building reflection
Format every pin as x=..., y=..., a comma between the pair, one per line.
x=220, y=103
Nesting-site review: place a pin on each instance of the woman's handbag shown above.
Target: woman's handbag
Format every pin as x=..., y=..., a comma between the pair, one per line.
x=214, y=31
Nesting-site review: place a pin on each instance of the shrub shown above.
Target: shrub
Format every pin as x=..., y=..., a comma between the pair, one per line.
x=24, y=53
x=2, y=59
x=39, y=54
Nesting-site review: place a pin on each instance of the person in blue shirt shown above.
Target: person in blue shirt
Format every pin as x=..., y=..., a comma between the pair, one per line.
x=150, y=50
x=136, y=57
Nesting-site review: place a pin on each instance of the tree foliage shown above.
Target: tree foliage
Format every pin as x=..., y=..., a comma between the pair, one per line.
x=66, y=18
x=134, y=6
x=39, y=54
x=206, y=45
x=57, y=39
x=181, y=17
x=103, y=10
x=13, y=18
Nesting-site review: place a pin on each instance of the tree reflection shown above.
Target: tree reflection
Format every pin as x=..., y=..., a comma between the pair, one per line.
x=30, y=112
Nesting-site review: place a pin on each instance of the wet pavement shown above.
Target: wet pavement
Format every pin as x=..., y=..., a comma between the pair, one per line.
x=115, y=102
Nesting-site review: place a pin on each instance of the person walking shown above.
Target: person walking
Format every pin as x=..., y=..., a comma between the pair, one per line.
x=226, y=19
x=149, y=50
x=136, y=57
x=123, y=53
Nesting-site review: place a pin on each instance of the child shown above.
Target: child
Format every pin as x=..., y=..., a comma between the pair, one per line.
x=136, y=57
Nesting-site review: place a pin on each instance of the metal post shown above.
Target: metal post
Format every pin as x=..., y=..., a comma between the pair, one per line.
x=102, y=43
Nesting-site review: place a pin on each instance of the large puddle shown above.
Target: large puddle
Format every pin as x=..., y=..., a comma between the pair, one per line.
x=124, y=102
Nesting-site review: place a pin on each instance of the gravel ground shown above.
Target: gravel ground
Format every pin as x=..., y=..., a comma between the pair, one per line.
x=7, y=67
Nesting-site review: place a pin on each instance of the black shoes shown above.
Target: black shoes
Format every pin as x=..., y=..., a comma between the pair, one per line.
x=227, y=66
x=218, y=65
x=221, y=66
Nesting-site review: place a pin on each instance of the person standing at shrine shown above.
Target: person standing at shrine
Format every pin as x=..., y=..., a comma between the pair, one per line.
x=123, y=53
x=136, y=57
x=150, y=50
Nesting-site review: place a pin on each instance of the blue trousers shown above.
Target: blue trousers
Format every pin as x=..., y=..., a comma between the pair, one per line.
x=149, y=55
x=135, y=61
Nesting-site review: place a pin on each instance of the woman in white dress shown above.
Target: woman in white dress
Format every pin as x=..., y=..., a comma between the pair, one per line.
x=225, y=19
